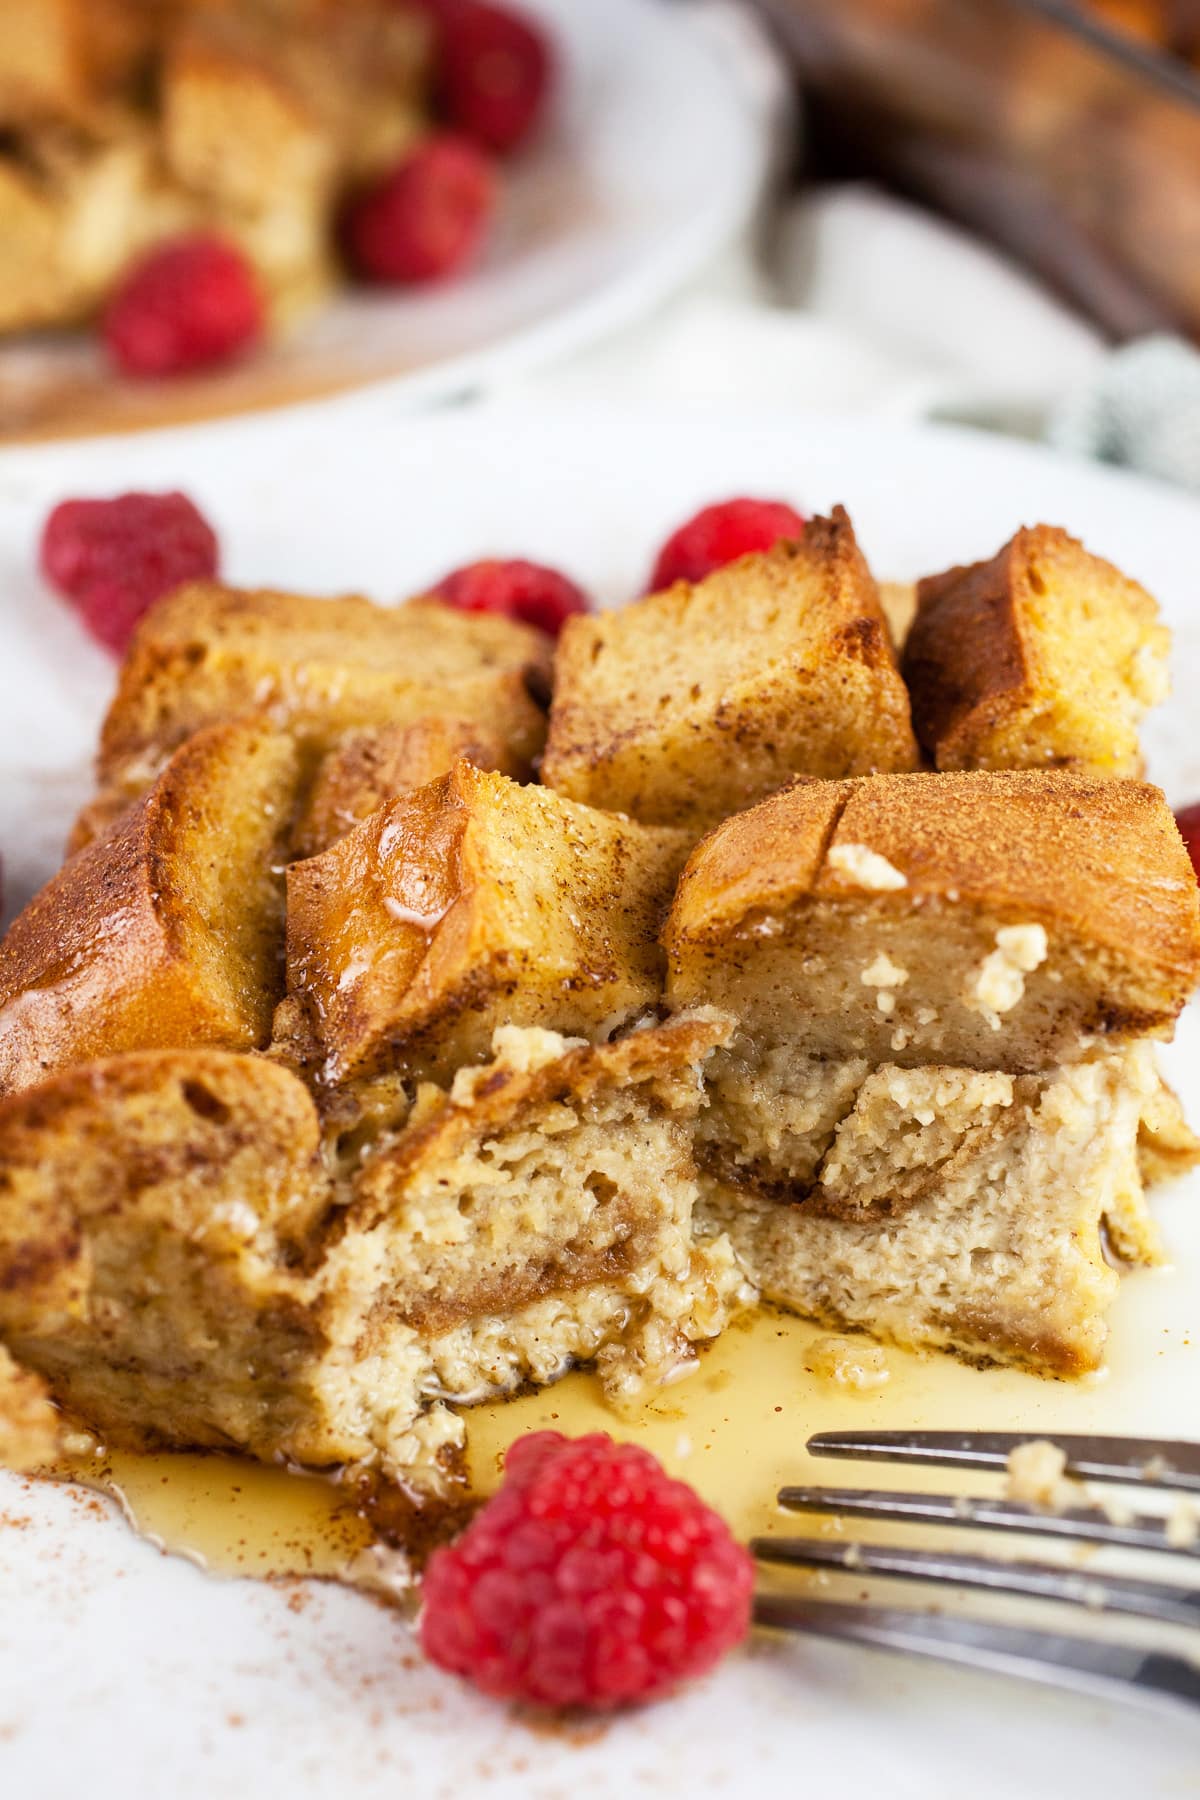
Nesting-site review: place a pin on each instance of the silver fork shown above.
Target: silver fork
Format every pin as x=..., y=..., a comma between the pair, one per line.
x=1088, y=1665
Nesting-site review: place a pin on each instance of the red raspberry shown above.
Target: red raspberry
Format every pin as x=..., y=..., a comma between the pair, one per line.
x=590, y=1579
x=495, y=70
x=426, y=218
x=188, y=305
x=114, y=558
x=1188, y=821
x=719, y=534
x=520, y=590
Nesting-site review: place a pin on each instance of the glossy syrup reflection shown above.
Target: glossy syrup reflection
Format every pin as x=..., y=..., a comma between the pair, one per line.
x=735, y=1427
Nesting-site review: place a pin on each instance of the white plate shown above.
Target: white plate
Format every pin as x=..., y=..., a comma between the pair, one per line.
x=652, y=160
x=137, y=1675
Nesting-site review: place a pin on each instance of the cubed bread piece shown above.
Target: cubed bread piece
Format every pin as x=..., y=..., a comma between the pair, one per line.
x=965, y=1210
x=316, y=668
x=175, y=1260
x=1044, y=657
x=693, y=703
x=153, y=1211
x=168, y=930
x=246, y=132
x=997, y=921
x=369, y=767
x=473, y=903
x=240, y=122
x=62, y=59
x=551, y=1193
x=1167, y=1145
x=77, y=204
x=43, y=60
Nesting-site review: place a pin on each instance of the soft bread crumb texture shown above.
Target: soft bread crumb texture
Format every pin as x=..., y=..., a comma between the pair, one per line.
x=1045, y=657
x=958, y=1209
x=765, y=925
x=850, y=1365
x=1000, y=983
x=691, y=704
x=185, y=1262
x=30, y=1424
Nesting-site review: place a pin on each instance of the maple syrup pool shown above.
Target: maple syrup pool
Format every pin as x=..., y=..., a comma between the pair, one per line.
x=735, y=1427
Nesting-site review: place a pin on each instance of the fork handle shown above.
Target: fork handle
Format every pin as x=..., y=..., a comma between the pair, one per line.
x=1100, y=1670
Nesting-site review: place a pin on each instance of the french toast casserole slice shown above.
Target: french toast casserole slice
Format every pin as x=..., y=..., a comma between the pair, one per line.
x=928, y=1118
x=350, y=1075
x=187, y=1259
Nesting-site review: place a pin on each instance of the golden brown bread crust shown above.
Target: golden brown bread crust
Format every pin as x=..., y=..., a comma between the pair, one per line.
x=691, y=704
x=167, y=931
x=1046, y=656
x=45, y=67
x=772, y=905
x=469, y=904
x=367, y=768
x=1106, y=861
x=316, y=668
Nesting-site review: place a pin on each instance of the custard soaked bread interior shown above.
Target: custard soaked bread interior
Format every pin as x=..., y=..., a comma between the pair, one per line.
x=964, y=1209
x=185, y=1262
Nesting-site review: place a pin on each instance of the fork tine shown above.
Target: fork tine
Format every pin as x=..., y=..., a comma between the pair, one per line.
x=1039, y=1581
x=1111, y=1671
x=1083, y=1524
x=1166, y=1463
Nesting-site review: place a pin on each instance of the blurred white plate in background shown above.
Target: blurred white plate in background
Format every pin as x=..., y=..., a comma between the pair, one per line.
x=652, y=160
